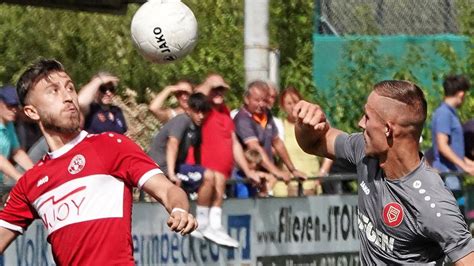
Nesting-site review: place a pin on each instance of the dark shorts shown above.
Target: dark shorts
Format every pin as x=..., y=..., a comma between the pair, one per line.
x=191, y=176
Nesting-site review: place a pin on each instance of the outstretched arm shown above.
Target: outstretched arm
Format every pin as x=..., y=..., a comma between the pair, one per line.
x=312, y=130
x=6, y=237
x=175, y=200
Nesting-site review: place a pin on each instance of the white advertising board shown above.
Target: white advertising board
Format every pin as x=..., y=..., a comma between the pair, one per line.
x=319, y=230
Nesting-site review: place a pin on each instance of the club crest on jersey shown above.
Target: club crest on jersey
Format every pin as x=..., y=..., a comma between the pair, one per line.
x=393, y=214
x=77, y=164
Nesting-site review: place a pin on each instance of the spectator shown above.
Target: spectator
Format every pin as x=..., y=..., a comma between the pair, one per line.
x=256, y=129
x=264, y=188
x=307, y=163
x=271, y=99
x=27, y=131
x=447, y=134
x=468, y=129
x=177, y=149
x=181, y=92
x=9, y=144
x=220, y=146
x=95, y=101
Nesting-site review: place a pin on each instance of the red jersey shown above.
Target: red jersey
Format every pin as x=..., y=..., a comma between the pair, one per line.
x=216, y=146
x=83, y=194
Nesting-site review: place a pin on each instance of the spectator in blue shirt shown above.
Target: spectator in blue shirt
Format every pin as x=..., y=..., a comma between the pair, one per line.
x=95, y=101
x=447, y=133
x=9, y=144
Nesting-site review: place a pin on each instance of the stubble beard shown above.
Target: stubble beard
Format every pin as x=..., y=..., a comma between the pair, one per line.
x=68, y=126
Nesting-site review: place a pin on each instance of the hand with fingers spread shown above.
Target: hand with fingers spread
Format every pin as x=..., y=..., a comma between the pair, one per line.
x=181, y=221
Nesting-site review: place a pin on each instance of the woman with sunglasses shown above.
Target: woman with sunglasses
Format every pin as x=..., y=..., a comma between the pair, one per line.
x=95, y=101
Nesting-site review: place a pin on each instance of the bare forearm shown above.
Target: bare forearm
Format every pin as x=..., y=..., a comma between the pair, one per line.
x=8, y=169
x=168, y=194
x=6, y=238
x=449, y=154
x=88, y=93
x=239, y=157
x=156, y=105
x=283, y=153
x=21, y=158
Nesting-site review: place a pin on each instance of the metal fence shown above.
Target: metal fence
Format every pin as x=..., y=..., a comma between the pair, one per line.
x=387, y=17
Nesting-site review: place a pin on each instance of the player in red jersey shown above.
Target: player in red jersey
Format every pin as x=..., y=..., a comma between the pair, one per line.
x=82, y=189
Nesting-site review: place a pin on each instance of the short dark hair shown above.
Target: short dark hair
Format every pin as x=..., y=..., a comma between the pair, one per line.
x=408, y=93
x=199, y=102
x=455, y=83
x=33, y=73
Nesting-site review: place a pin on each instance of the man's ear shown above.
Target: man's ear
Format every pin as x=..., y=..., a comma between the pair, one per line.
x=31, y=112
x=388, y=130
x=246, y=100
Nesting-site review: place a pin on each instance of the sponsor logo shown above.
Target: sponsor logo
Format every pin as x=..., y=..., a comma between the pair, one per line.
x=81, y=199
x=42, y=181
x=392, y=214
x=365, y=188
x=374, y=235
x=77, y=164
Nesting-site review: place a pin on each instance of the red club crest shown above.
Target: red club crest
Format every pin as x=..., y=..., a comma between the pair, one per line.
x=393, y=214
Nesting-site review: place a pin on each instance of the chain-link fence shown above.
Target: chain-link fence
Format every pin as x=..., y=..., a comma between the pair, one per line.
x=387, y=17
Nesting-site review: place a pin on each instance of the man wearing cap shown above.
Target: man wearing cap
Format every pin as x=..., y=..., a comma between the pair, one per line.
x=9, y=144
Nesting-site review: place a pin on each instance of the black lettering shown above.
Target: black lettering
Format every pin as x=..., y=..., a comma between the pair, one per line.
x=336, y=222
x=281, y=226
x=163, y=46
x=309, y=228
x=157, y=31
x=296, y=228
x=317, y=229
x=345, y=222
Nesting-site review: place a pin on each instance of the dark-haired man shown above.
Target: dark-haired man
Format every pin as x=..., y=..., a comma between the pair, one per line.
x=406, y=215
x=82, y=190
x=447, y=134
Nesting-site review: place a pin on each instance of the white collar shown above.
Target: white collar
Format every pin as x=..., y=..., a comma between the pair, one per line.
x=68, y=146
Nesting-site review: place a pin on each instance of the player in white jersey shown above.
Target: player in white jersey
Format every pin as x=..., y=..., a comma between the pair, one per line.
x=406, y=215
x=82, y=189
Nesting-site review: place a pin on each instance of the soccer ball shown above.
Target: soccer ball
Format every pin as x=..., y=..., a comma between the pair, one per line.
x=164, y=31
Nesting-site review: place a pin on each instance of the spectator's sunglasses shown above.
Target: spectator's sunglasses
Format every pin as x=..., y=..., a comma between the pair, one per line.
x=107, y=87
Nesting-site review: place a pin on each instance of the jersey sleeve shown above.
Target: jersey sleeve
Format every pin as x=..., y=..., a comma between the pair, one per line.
x=17, y=214
x=244, y=128
x=178, y=126
x=126, y=160
x=440, y=220
x=350, y=147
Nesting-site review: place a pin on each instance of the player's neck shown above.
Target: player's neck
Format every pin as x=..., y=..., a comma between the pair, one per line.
x=57, y=140
x=400, y=162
